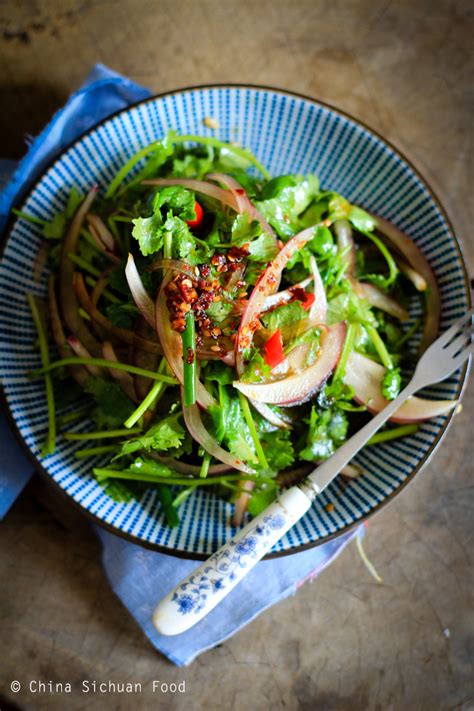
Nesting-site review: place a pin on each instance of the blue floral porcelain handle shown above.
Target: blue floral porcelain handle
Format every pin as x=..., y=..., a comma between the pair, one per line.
x=197, y=595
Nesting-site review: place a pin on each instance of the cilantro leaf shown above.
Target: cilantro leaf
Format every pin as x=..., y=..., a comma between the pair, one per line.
x=230, y=426
x=327, y=431
x=184, y=244
x=256, y=369
x=284, y=199
x=165, y=434
x=391, y=383
x=113, y=406
x=148, y=231
x=348, y=307
x=177, y=199
x=245, y=231
x=278, y=449
x=286, y=315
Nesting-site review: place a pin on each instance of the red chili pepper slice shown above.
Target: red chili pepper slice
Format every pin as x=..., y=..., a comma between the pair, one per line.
x=307, y=301
x=199, y=216
x=273, y=348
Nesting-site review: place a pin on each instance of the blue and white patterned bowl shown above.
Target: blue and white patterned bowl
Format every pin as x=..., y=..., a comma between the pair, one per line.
x=289, y=134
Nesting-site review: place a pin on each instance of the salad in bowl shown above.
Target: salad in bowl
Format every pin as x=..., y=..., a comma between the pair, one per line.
x=230, y=329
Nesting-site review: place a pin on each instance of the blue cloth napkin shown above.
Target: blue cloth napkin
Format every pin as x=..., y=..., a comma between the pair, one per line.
x=139, y=577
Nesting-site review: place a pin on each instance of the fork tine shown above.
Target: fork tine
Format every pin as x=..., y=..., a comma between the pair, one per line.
x=459, y=360
x=462, y=340
x=453, y=330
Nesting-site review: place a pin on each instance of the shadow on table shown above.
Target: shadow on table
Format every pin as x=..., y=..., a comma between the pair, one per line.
x=25, y=111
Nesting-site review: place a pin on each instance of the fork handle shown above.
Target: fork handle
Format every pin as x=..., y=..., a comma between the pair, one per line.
x=206, y=587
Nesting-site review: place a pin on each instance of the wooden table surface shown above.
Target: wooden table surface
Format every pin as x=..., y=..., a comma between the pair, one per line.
x=343, y=642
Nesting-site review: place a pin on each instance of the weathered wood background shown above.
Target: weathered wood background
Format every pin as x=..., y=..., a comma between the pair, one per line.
x=343, y=642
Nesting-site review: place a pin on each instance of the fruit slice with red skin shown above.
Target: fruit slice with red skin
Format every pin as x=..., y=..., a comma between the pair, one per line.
x=299, y=387
x=365, y=376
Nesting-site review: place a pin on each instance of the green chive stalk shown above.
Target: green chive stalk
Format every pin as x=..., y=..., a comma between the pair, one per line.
x=50, y=443
x=394, y=433
x=188, y=338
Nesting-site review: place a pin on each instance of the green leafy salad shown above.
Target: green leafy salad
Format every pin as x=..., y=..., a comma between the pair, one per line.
x=229, y=329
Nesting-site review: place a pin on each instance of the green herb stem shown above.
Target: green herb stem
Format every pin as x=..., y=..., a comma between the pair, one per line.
x=83, y=264
x=182, y=496
x=392, y=265
x=211, y=141
x=84, y=453
x=102, y=434
x=178, y=481
x=394, y=433
x=106, y=293
x=155, y=391
x=188, y=338
x=73, y=360
x=72, y=416
x=29, y=218
x=253, y=430
x=346, y=351
x=204, y=140
x=50, y=443
x=206, y=460
x=379, y=346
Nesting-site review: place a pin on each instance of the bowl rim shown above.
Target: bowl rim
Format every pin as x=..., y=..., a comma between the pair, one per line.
x=31, y=186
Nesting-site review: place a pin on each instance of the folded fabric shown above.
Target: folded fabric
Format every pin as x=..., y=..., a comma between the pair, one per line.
x=140, y=577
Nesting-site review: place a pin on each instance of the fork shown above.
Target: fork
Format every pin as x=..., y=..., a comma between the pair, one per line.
x=209, y=584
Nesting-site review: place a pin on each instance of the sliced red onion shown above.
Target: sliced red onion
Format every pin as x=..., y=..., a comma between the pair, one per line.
x=265, y=286
x=319, y=308
x=101, y=231
x=299, y=387
x=416, y=279
x=378, y=298
x=69, y=304
x=175, y=265
x=280, y=421
x=124, y=379
x=78, y=372
x=283, y=297
x=365, y=376
x=82, y=352
x=351, y=471
x=198, y=186
x=242, y=200
x=139, y=293
x=172, y=347
x=240, y=196
x=419, y=263
x=194, y=423
x=345, y=243
x=121, y=334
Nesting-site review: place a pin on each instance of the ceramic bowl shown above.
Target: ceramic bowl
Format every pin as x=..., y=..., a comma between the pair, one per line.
x=289, y=134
